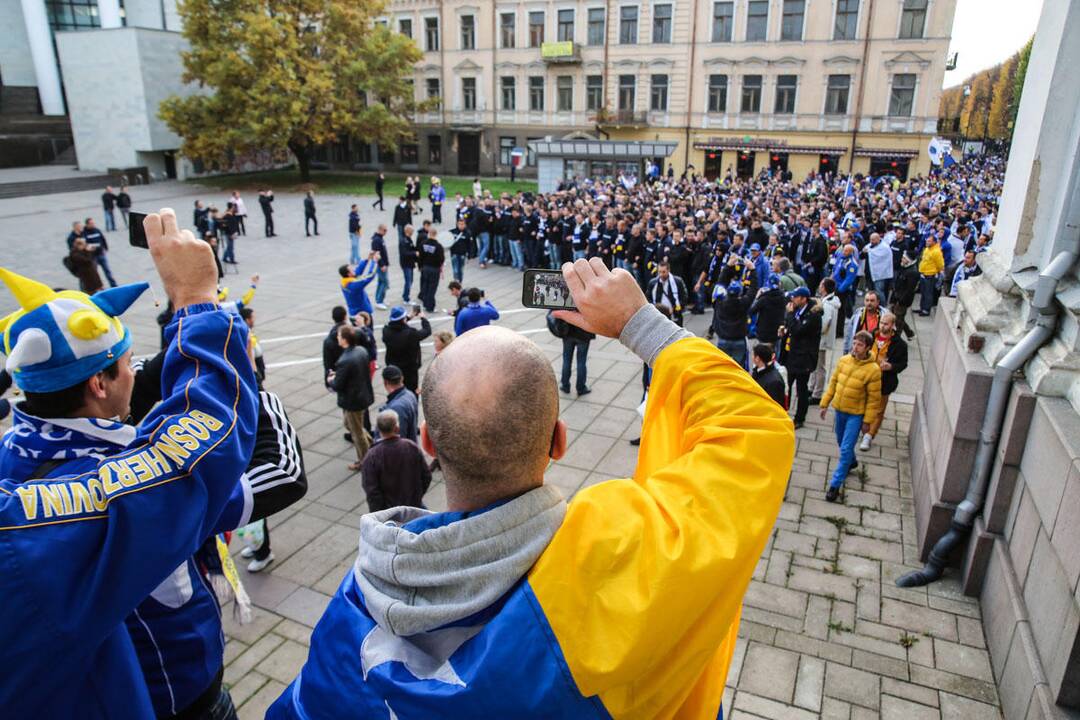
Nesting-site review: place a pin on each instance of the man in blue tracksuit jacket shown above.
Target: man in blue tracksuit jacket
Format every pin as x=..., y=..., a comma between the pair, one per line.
x=79, y=552
x=354, y=282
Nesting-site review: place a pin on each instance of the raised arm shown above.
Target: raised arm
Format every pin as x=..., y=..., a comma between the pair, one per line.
x=108, y=537
x=643, y=583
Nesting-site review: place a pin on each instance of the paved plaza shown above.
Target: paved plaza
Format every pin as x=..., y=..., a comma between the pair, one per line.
x=825, y=632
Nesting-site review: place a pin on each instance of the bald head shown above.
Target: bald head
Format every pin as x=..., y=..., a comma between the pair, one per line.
x=491, y=405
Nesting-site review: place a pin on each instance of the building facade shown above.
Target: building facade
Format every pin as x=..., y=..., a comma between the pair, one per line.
x=738, y=84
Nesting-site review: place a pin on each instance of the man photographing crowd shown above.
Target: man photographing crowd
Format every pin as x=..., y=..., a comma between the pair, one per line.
x=91, y=546
x=624, y=603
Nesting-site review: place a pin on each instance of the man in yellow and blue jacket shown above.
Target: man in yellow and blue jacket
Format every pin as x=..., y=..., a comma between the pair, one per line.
x=624, y=603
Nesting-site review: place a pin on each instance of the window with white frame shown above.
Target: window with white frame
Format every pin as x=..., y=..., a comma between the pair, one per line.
x=658, y=93
x=564, y=93
x=468, y=32
x=751, y=94
x=508, y=86
x=431, y=33
x=506, y=147
x=757, y=20
x=468, y=93
x=507, y=29
x=594, y=92
x=846, y=26
x=836, y=94
x=596, y=26
x=913, y=19
x=718, y=93
x=627, y=92
x=536, y=29
x=791, y=20
x=564, y=30
x=530, y=156
x=723, y=21
x=786, y=87
x=536, y=93
x=902, y=96
x=628, y=17
x=661, y=23
x=434, y=89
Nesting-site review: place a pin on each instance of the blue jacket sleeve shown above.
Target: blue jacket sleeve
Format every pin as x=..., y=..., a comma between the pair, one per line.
x=457, y=322
x=78, y=553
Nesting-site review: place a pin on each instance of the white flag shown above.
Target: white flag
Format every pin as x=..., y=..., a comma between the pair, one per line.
x=936, y=150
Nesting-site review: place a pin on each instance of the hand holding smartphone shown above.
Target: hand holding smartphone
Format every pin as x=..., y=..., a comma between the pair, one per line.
x=136, y=231
x=546, y=289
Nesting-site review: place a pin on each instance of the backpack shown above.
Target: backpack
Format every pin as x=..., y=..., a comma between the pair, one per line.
x=69, y=265
x=558, y=328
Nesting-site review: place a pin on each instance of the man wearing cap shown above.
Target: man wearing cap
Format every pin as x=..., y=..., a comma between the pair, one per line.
x=401, y=400
x=84, y=547
x=769, y=306
x=403, y=344
x=730, y=307
x=761, y=265
x=802, y=336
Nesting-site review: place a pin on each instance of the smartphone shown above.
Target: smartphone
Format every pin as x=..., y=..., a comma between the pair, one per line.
x=136, y=231
x=546, y=289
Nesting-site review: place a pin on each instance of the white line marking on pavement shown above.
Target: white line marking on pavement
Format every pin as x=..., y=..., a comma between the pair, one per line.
x=309, y=361
x=308, y=336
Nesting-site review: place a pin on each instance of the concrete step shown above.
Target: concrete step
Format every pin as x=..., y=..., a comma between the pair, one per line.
x=18, y=100
x=48, y=187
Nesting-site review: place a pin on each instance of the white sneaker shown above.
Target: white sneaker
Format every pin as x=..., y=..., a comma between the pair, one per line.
x=258, y=565
x=247, y=553
x=865, y=444
x=381, y=306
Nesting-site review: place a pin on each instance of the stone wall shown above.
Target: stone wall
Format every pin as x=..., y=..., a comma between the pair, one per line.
x=1023, y=560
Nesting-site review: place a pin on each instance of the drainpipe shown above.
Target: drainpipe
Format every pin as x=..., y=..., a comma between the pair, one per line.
x=1046, y=311
x=690, y=76
x=862, y=84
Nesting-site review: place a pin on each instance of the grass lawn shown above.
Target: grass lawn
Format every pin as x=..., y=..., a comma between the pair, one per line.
x=350, y=183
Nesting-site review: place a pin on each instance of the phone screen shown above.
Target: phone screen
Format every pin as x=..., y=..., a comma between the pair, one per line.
x=546, y=289
x=136, y=231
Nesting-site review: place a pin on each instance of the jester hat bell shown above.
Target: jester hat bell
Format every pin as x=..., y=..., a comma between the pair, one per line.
x=59, y=339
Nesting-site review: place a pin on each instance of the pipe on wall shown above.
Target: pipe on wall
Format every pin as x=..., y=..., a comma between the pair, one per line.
x=1046, y=312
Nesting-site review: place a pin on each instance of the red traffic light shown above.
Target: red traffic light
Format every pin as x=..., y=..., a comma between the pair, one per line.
x=744, y=156
x=824, y=161
x=776, y=158
x=892, y=164
x=712, y=156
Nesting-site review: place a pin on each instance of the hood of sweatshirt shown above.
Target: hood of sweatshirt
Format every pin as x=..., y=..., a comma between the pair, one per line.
x=420, y=570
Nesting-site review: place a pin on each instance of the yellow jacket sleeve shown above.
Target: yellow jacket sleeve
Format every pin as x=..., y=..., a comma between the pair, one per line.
x=643, y=583
x=246, y=298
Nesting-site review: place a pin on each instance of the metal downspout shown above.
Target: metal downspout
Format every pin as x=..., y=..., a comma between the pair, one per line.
x=1046, y=316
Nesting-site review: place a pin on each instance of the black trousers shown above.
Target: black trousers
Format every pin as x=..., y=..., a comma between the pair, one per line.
x=429, y=284
x=534, y=253
x=801, y=381
x=436, y=213
x=269, y=223
x=379, y=202
x=311, y=219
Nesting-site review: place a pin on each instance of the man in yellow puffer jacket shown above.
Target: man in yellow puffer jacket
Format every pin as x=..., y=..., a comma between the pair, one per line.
x=855, y=393
x=931, y=265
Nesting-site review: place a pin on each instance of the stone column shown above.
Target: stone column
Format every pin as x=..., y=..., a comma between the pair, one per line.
x=39, y=36
x=109, y=14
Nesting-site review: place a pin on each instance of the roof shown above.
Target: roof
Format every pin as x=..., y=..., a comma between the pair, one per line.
x=601, y=149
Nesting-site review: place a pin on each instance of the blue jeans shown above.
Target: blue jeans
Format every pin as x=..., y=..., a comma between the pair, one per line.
x=735, y=349
x=110, y=221
x=230, y=256
x=103, y=263
x=408, y=273
x=485, y=246
x=517, y=255
x=579, y=254
x=882, y=288
x=568, y=347
x=457, y=266
x=553, y=257
x=382, y=282
x=847, y=428
x=502, y=250
x=354, y=248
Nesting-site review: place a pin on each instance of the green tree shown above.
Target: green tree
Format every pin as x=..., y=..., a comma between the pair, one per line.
x=275, y=75
x=1018, y=79
x=1001, y=105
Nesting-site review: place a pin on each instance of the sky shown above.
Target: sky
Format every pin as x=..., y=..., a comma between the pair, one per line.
x=985, y=32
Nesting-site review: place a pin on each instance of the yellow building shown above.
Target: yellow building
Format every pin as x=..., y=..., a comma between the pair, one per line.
x=738, y=84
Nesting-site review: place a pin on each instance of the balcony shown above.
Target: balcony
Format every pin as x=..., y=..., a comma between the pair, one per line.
x=622, y=118
x=561, y=53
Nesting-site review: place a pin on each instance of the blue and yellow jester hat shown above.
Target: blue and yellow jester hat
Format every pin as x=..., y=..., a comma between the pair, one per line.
x=58, y=339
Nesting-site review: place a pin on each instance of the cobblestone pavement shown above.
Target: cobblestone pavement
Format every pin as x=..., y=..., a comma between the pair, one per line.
x=825, y=632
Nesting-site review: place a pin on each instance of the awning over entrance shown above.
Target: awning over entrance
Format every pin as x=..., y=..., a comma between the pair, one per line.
x=602, y=149
x=886, y=154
